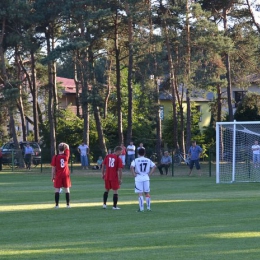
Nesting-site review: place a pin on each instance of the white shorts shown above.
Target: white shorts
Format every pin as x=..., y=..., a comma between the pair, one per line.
x=142, y=186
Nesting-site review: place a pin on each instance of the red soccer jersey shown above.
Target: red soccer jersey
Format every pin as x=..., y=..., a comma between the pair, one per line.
x=112, y=163
x=61, y=162
x=123, y=151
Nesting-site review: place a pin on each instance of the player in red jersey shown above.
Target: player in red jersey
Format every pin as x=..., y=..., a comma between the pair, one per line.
x=61, y=173
x=112, y=175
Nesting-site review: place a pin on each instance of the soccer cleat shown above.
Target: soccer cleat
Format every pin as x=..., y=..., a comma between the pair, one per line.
x=104, y=206
x=115, y=208
x=56, y=207
x=68, y=207
x=140, y=210
x=149, y=210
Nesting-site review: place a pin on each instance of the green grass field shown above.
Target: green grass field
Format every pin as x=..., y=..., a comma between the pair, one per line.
x=191, y=218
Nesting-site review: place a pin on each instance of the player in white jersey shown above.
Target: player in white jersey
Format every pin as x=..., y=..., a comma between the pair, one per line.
x=141, y=169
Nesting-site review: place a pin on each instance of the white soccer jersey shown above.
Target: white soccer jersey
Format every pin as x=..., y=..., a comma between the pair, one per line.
x=256, y=146
x=142, y=167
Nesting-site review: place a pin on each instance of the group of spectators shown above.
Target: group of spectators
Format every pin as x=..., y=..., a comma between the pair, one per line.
x=128, y=155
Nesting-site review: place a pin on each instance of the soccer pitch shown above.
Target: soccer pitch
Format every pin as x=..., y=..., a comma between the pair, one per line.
x=191, y=218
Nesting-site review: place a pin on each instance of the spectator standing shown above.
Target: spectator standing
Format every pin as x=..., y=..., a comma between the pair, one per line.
x=123, y=154
x=28, y=151
x=112, y=175
x=1, y=159
x=130, y=153
x=61, y=173
x=194, y=154
x=83, y=149
x=256, y=154
x=141, y=169
x=141, y=145
x=166, y=161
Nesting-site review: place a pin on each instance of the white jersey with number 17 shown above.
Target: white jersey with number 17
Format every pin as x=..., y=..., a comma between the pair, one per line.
x=142, y=167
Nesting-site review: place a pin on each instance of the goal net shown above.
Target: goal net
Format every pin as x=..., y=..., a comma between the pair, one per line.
x=237, y=152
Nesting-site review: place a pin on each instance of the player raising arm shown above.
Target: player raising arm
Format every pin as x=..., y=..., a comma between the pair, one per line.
x=61, y=173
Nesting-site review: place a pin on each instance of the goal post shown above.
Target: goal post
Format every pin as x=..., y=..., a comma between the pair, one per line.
x=237, y=151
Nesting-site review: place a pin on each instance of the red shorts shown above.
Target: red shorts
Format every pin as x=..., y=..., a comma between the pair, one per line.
x=62, y=181
x=114, y=185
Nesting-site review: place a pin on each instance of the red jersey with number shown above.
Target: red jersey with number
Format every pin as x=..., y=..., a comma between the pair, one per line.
x=112, y=162
x=62, y=173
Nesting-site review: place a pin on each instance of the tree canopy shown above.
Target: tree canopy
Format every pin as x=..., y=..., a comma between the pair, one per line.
x=122, y=55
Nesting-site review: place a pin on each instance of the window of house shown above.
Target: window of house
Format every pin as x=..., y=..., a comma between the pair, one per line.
x=239, y=95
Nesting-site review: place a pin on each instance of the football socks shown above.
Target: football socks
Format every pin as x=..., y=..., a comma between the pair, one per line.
x=68, y=198
x=57, y=198
x=115, y=199
x=141, y=203
x=148, y=201
x=105, y=197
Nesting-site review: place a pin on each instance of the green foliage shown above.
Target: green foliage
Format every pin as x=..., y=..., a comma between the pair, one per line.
x=81, y=28
x=196, y=133
x=249, y=108
x=69, y=129
x=143, y=115
x=210, y=139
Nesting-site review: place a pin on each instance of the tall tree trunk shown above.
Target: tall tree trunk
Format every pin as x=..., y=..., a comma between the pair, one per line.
x=20, y=106
x=188, y=58
x=51, y=101
x=34, y=98
x=228, y=74
x=84, y=78
x=255, y=20
x=101, y=138
x=219, y=103
x=118, y=83
x=2, y=55
x=15, y=139
x=181, y=112
x=54, y=83
x=85, y=106
x=158, y=123
x=188, y=121
x=129, y=79
x=76, y=80
x=5, y=83
x=31, y=80
x=172, y=85
x=108, y=87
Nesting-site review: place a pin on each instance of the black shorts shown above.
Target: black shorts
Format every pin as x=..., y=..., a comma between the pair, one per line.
x=196, y=162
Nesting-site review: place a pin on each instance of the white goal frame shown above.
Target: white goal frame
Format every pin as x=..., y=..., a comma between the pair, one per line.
x=234, y=128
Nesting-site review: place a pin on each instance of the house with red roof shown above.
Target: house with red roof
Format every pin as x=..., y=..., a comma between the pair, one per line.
x=69, y=94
